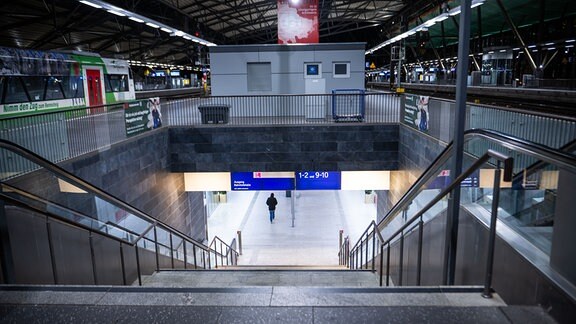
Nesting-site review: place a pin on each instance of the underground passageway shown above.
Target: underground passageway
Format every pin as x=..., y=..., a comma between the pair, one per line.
x=318, y=218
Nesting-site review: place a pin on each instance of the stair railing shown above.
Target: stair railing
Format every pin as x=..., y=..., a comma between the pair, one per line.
x=163, y=240
x=416, y=222
x=226, y=253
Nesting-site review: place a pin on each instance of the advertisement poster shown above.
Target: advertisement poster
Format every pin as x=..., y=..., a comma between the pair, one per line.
x=298, y=22
x=142, y=115
x=416, y=113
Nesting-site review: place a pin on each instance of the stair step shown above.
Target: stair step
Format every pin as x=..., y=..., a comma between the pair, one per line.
x=74, y=304
x=250, y=276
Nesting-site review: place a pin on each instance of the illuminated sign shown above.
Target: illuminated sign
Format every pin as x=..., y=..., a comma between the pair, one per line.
x=246, y=181
x=318, y=180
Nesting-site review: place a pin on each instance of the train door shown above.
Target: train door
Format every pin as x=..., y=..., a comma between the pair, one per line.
x=94, y=88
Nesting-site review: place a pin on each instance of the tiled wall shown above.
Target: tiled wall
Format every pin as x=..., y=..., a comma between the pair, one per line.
x=137, y=171
x=284, y=148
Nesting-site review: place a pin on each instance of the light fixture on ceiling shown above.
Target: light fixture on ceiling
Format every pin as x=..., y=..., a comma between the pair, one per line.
x=91, y=4
x=141, y=19
x=424, y=26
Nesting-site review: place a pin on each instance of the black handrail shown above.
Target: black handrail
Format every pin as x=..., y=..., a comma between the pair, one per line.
x=541, y=152
x=88, y=187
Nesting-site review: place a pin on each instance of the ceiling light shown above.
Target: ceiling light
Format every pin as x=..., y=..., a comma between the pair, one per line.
x=153, y=25
x=117, y=13
x=91, y=4
x=136, y=19
x=166, y=30
x=454, y=11
x=571, y=41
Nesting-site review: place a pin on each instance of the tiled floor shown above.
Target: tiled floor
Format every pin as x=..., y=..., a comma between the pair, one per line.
x=313, y=240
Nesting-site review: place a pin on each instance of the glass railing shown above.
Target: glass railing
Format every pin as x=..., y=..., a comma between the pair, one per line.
x=525, y=203
x=33, y=183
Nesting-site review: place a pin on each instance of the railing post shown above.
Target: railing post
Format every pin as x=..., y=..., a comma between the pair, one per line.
x=401, y=265
x=51, y=248
x=487, y=293
x=93, y=258
x=195, y=260
x=340, y=233
x=185, y=256
x=381, y=262
x=361, y=254
x=239, y=241
x=123, y=265
x=420, y=243
x=388, y=265
x=156, y=248
x=137, y=265
x=171, y=251
x=374, y=250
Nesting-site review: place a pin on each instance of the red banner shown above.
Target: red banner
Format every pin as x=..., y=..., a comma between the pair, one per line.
x=298, y=22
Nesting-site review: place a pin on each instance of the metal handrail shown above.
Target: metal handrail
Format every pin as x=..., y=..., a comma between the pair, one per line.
x=88, y=187
x=229, y=250
x=540, y=152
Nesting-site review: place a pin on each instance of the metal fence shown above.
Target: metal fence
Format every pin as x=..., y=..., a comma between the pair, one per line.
x=278, y=109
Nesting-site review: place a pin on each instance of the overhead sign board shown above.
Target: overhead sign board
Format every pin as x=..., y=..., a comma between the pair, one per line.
x=318, y=180
x=245, y=181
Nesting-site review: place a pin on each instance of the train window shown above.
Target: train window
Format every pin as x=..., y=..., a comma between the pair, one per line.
x=15, y=91
x=73, y=87
x=35, y=86
x=116, y=82
x=54, y=89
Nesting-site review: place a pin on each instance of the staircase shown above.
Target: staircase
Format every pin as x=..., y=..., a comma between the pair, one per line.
x=265, y=295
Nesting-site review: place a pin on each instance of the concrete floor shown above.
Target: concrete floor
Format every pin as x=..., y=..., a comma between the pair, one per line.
x=318, y=218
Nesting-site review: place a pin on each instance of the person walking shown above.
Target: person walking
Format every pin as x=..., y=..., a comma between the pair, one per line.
x=271, y=202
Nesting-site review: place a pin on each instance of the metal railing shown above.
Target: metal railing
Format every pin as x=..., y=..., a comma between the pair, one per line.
x=226, y=253
x=371, y=245
x=171, y=248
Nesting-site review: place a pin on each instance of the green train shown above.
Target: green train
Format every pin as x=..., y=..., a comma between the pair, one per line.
x=34, y=82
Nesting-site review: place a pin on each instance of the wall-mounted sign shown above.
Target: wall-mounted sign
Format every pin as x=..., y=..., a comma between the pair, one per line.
x=318, y=180
x=443, y=180
x=244, y=181
x=415, y=113
x=142, y=115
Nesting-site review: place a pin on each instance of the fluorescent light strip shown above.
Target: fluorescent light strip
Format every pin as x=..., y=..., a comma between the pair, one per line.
x=91, y=4
x=424, y=27
x=136, y=19
x=117, y=13
x=141, y=19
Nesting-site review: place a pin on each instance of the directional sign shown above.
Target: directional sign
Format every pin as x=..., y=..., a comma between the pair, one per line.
x=244, y=181
x=318, y=180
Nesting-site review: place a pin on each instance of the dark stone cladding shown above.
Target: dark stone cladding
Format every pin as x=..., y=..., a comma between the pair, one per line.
x=137, y=171
x=284, y=148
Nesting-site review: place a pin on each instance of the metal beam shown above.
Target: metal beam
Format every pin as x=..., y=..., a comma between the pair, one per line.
x=518, y=36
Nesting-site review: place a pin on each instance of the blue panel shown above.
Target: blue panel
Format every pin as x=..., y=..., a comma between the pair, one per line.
x=318, y=180
x=242, y=181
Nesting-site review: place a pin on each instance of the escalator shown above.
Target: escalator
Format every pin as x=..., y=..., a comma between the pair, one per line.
x=513, y=232
x=56, y=228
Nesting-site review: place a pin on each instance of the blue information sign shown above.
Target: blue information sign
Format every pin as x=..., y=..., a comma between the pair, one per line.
x=318, y=180
x=254, y=181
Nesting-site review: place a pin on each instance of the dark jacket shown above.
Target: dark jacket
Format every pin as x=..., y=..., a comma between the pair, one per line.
x=271, y=202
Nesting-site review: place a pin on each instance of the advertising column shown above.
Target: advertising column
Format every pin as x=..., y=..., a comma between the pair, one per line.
x=298, y=22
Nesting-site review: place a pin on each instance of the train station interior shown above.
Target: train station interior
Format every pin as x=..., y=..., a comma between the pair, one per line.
x=308, y=161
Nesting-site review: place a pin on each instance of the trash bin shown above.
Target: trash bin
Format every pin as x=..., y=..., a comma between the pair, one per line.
x=214, y=114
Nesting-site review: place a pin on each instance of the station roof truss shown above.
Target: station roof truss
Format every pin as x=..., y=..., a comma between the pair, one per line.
x=71, y=25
